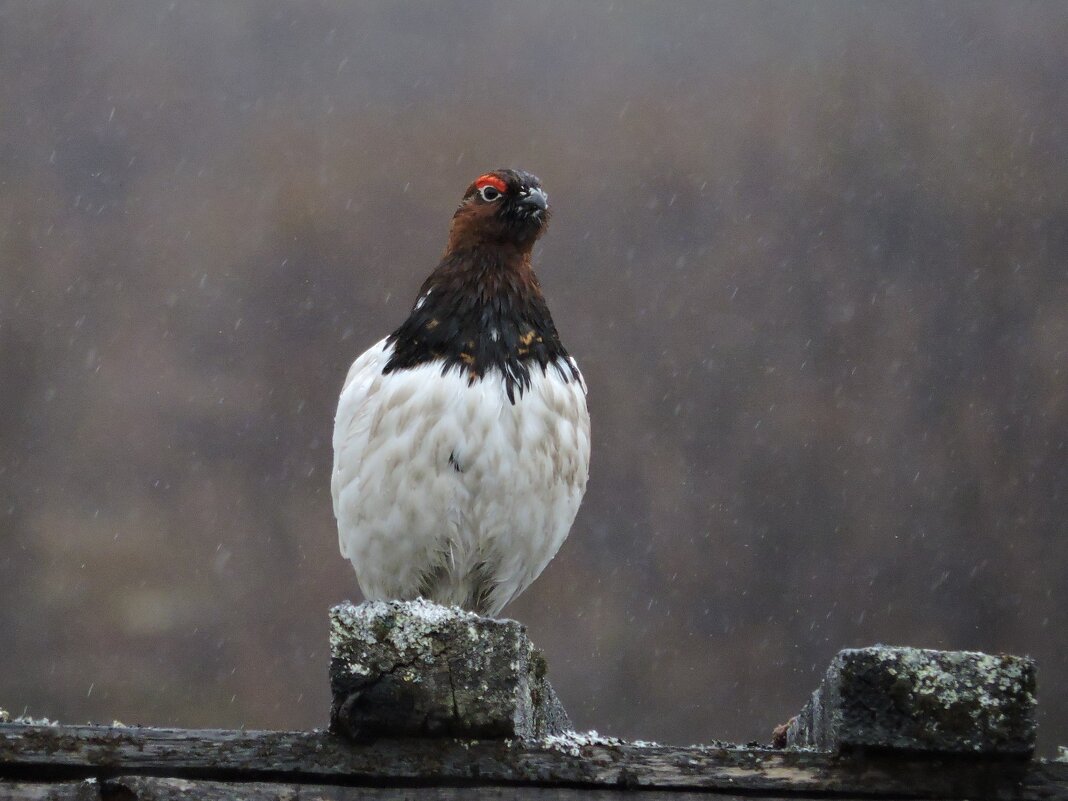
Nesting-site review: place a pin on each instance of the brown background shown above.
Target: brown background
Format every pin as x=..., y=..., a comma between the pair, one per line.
x=811, y=257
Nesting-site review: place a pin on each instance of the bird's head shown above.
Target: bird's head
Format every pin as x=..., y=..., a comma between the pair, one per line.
x=503, y=207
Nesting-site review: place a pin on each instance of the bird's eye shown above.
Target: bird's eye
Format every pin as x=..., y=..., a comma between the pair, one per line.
x=489, y=193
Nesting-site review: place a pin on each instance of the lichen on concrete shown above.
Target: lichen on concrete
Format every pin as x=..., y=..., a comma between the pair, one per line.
x=380, y=636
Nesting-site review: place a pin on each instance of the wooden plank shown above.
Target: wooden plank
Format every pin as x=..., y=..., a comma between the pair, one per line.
x=144, y=788
x=63, y=752
x=149, y=788
x=50, y=791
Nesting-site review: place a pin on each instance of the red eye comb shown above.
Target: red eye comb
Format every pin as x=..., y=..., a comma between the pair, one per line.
x=491, y=180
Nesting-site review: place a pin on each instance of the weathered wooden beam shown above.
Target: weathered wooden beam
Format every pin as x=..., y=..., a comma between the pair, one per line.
x=909, y=699
x=413, y=668
x=148, y=788
x=50, y=791
x=75, y=752
x=145, y=788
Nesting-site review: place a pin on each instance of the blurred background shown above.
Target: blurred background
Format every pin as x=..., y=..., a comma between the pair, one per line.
x=811, y=257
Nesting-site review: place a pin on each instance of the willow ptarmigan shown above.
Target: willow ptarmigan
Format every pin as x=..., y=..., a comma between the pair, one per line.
x=462, y=440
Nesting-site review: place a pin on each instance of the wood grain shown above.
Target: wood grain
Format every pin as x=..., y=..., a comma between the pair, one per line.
x=57, y=753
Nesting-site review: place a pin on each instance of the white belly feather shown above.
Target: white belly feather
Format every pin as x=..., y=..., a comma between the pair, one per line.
x=448, y=490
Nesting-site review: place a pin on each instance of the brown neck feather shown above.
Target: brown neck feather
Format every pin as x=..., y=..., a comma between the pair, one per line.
x=482, y=311
x=478, y=225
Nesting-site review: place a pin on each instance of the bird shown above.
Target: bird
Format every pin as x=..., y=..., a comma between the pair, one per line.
x=462, y=439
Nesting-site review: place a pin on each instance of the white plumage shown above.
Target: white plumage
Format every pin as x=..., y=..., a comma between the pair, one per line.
x=444, y=488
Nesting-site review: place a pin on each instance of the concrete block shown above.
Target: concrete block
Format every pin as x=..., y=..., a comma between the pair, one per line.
x=908, y=699
x=413, y=668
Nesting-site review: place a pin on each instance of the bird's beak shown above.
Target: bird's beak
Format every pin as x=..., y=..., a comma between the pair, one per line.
x=537, y=198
